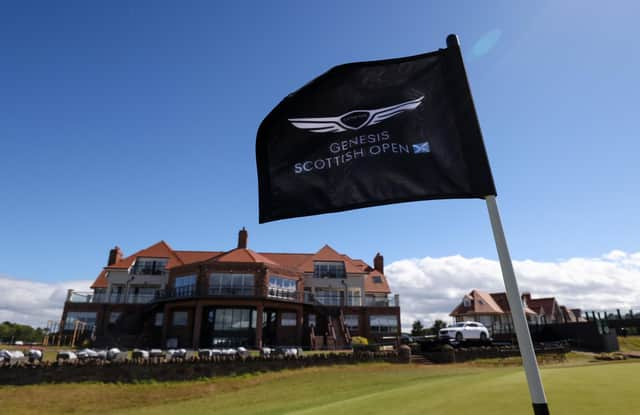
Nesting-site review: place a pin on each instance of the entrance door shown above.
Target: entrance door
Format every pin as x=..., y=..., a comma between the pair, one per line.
x=269, y=327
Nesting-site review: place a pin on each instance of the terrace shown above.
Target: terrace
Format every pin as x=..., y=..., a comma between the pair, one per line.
x=192, y=291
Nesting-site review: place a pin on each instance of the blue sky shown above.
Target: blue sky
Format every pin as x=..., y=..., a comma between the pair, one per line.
x=127, y=123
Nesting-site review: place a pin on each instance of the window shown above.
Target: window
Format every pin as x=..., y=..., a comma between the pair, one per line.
x=141, y=295
x=83, y=316
x=180, y=318
x=466, y=302
x=311, y=320
x=352, y=321
x=383, y=324
x=117, y=294
x=329, y=269
x=144, y=266
x=328, y=296
x=288, y=320
x=280, y=287
x=113, y=316
x=100, y=295
x=226, y=319
x=377, y=279
x=353, y=297
x=231, y=284
x=159, y=320
x=185, y=286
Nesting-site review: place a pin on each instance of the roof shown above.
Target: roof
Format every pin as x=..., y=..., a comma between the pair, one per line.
x=101, y=281
x=327, y=253
x=244, y=255
x=543, y=306
x=188, y=257
x=376, y=287
x=503, y=302
x=480, y=303
x=300, y=262
x=287, y=260
x=158, y=250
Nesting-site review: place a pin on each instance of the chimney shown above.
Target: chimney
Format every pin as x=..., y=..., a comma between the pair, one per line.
x=243, y=236
x=526, y=298
x=115, y=255
x=378, y=263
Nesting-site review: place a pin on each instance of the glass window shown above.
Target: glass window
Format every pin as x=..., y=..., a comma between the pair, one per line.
x=185, y=286
x=288, y=319
x=83, y=316
x=113, y=316
x=311, y=320
x=377, y=279
x=231, y=284
x=144, y=266
x=281, y=287
x=354, y=297
x=329, y=269
x=352, y=321
x=233, y=319
x=159, y=320
x=383, y=324
x=180, y=318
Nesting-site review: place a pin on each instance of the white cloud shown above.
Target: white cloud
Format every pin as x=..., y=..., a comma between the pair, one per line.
x=34, y=303
x=430, y=288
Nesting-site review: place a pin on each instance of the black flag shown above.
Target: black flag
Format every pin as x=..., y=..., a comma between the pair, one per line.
x=373, y=133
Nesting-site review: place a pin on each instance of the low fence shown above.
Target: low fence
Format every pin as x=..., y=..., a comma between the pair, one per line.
x=474, y=353
x=597, y=336
x=129, y=371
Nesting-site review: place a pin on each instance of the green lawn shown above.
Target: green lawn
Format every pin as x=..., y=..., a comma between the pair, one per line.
x=573, y=388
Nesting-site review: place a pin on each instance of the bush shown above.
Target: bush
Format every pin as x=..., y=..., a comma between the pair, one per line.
x=359, y=341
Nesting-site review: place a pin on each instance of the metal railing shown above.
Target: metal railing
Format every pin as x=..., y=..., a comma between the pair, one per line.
x=352, y=300
x=283, y=294
x=194, y=291
x=103, y=298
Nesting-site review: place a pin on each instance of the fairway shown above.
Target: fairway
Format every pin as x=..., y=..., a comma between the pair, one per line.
x=609, y=388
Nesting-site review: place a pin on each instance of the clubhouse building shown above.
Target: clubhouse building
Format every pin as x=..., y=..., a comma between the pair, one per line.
x=161, y=297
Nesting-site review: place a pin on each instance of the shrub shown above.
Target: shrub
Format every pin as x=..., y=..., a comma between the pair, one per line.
x=359, y=341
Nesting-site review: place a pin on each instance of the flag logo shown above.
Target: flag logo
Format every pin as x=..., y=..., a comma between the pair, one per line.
x=354, y=120
x=421, y=148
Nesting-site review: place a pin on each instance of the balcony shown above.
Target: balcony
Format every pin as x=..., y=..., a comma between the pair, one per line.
x=194, y=291
x=280, y=294
x=351, y=300
x=149, y=268
x=115, y=298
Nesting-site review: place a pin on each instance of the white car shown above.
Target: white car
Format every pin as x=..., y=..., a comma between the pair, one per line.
x=465, y=330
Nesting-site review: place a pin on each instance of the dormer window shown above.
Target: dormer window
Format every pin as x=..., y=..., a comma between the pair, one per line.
x=329, y=269
x=466, y=302
x=377, y=279
x=147, y=266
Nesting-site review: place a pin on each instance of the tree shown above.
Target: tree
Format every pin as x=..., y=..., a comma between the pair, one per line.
x=417, y=329
x=437, y=325
x=13, y=331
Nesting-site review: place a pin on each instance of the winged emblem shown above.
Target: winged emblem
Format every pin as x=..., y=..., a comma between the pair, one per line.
x=354, y=120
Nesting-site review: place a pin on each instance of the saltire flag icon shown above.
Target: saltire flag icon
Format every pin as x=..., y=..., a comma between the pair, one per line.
x=421, y=148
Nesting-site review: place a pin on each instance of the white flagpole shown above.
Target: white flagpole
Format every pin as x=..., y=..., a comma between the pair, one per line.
x=527, y=352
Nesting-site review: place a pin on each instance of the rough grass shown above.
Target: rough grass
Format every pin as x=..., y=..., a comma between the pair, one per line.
x=629, y=343
x=572, y=388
